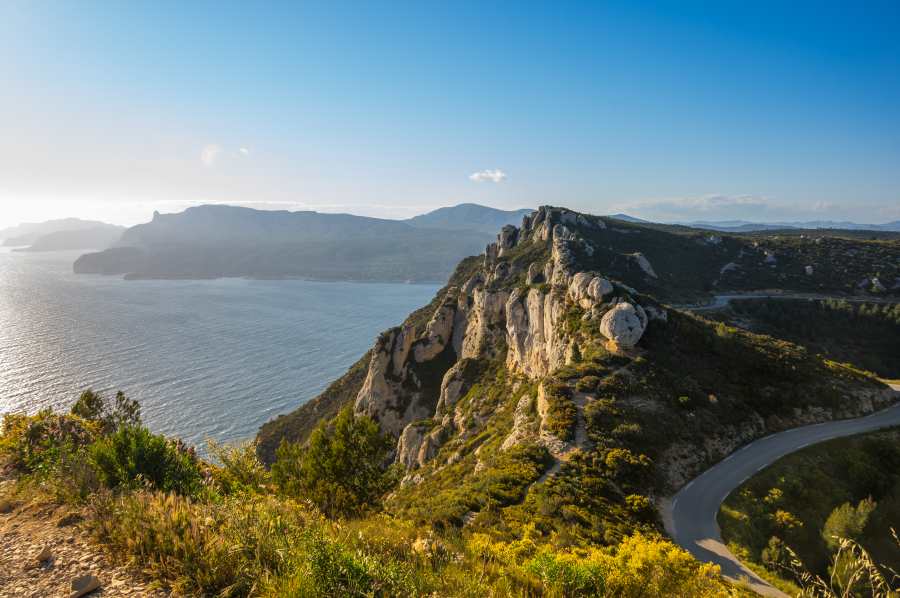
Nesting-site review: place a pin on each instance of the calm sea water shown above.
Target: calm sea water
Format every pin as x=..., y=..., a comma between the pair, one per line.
x=204, y=358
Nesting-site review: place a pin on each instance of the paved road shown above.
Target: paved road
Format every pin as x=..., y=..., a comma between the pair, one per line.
x=719, y=301
x=690, y=516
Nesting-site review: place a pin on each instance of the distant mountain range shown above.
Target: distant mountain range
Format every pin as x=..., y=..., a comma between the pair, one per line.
x=215, y=241
x=737, y=226
x=470, y=216
x=67, y=233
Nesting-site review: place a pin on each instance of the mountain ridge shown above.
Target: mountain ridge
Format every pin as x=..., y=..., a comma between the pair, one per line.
x=214, y=241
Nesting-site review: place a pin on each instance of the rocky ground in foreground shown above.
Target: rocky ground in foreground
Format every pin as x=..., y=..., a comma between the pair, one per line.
x=43, y=551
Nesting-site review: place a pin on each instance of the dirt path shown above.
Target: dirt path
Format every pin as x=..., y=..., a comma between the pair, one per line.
x=580, y=443
x=27, y=530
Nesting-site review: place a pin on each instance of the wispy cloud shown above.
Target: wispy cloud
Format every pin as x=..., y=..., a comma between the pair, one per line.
x=705, y=206
x=209, y=154
x=493, y=176
x=244, y=151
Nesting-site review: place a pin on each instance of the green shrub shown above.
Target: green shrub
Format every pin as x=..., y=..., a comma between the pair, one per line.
x=587, y=384
x=847, y=521
x=561, y=412
x=92, y=407
x=239, y=469
x=133, y=456
x=343, y=467
x=36, y=443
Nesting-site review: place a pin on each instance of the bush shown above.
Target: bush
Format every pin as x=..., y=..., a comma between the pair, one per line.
x=35, y=444
x=133, y=456
x=562, y=415
x=847, y=521
x=240, y=470
x=342, y=469
x=92, y=407
x=587, y=384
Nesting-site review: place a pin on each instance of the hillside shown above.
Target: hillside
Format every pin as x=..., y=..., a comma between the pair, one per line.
x=546, y=392
x=469, y=216
x=99, y=237
x=28, y=234
x=224, y=241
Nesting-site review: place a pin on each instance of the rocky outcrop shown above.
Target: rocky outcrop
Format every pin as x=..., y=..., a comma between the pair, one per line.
x=492, y=316
x=644, y=264
x=624, y=324
x=587, y=289
x=535, y=346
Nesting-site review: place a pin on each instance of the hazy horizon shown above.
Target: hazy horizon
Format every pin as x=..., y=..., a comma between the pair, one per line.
x=143, y=214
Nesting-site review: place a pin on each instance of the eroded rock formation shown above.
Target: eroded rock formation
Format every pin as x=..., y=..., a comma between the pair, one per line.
x=493, y=313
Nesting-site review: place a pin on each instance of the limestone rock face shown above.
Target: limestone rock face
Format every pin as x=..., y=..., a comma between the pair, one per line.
x=419, y=443
x=489, y=317
x=586, y=289
x=437, y=333
x=535, y=274
x=454, y=385
x=644, y=264
x=409, y=443
x=382, y=396
x=536, y=345
x=624, y=323
x=483, y=313
x=506, y=240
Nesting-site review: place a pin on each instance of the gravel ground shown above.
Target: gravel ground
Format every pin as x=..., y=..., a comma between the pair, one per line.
x=28, y=530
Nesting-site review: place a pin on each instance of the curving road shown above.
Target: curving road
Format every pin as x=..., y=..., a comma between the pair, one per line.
x=720, y=301
x=690, y=516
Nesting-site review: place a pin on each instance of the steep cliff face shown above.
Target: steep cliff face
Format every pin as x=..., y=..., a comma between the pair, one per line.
x=512, y=308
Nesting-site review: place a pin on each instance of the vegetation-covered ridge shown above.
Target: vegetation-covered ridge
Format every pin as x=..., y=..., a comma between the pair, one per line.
x=864, y=334
x=547, y=393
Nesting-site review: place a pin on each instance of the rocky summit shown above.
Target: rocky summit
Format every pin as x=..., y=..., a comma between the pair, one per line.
x=548, y=383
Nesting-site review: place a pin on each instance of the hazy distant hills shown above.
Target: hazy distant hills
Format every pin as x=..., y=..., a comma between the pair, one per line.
x=470, y=216
x=99, y=237
x=67, y=233
x=745, y=226
x=216, y=241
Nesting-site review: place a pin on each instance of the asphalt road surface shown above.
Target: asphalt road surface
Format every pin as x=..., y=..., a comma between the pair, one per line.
x=690, y=516
x=720, y=301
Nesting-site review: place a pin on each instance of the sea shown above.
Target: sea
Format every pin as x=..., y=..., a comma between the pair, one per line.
x=205, y=359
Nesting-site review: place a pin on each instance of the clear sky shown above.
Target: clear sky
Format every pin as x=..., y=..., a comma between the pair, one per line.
x=673, y=111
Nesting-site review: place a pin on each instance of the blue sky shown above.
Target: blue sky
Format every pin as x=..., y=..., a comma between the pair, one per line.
x=674, y=111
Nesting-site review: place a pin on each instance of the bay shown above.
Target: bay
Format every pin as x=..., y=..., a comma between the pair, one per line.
x=213, y=358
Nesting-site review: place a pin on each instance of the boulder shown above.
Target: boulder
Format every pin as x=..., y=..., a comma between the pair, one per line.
x=84, y=585
x=599, y=288
x=624, y=324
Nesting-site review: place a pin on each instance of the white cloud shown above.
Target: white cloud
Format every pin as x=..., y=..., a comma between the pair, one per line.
x=494, y=176
x=244, y=151
x=209, y=153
